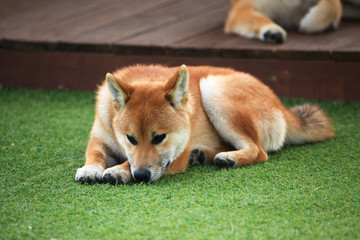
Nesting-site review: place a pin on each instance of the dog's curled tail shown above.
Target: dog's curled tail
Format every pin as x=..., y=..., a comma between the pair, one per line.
x=307, y=123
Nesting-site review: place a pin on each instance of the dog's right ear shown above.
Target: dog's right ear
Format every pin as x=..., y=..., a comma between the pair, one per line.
x=119, y=90
x=178, y=88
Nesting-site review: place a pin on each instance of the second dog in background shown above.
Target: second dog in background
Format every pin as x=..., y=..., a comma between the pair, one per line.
x=266, y=19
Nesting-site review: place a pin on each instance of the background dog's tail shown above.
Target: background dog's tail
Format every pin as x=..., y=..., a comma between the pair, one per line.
x=307, y=123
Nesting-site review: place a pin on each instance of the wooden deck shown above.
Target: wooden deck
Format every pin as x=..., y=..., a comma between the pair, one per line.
x=69, y=39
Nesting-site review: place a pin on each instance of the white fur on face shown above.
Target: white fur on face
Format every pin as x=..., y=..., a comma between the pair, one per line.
x=178, y=140
x=122, y=141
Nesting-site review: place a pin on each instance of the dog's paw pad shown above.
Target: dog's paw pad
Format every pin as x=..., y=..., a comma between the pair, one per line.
x=224, y=161
x=273, y=37
x=89, y=174
x=197, y=157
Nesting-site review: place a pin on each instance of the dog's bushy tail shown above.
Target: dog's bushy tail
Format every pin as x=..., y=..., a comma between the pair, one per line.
x=307, y=123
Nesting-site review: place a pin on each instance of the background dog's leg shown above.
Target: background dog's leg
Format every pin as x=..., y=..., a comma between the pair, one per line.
x=95, y=164
x=118, y=174
x=245, y=21
x=325, y=14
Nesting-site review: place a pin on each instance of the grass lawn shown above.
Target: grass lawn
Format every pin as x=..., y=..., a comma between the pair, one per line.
x=302, y=192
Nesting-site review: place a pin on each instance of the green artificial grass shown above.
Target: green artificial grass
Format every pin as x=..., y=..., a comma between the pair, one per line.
x=302, y=192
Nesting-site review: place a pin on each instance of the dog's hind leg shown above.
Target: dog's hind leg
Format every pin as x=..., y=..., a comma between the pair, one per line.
x=243, y=136
x=325, y=14
x=231, y=114
x=245, y=21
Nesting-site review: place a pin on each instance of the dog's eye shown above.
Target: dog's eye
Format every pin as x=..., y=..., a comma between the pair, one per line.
x=158, y=138
x=131, y=139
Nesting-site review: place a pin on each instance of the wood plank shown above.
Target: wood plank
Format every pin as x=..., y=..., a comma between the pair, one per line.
x=182, y=29
x=10, y=7
x=354, y=44
x=323, y=41
x=147, y=21
x=298, y=46
x=216, y=39
x=23, y=25
x=295, y=41
x=73, y=29
x=83, y=71
x=171, y=27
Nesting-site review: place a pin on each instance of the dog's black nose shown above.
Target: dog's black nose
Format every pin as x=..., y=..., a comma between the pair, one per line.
x=142, y=175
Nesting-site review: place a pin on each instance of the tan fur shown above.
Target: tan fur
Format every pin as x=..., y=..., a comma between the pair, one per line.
x=229, y=117
x=266, y=19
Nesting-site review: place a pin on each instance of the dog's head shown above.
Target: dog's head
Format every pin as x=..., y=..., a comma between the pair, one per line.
x=151, y=121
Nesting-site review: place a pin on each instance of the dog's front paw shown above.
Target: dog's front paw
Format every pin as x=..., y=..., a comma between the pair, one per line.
x=272, y=34
x=222, y=160
x=116, y=175
x=197, y=157
x=89, y=174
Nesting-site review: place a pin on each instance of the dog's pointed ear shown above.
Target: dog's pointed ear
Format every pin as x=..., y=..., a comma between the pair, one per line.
x=120, y=91
x=178, y=87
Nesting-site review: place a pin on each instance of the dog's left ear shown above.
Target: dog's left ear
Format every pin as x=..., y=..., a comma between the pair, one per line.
x=178, y=87
x=120, y=91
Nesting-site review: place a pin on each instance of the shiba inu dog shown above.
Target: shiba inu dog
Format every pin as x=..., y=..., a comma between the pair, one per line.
x=154, y=120
x=266, y=19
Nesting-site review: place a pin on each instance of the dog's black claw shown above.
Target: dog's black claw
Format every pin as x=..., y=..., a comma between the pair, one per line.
x=108, y=178
x=273, y=37
x=90, y=180
x=231, y=162
x=81, y=180
x=224, y=163
x=201, y=157
x=221, y=163
x=98, y=180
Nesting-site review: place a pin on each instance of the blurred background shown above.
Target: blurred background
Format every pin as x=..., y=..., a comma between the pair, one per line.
x=65, y=44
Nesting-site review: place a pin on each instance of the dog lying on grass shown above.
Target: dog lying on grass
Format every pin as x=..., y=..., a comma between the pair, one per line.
x=154, y=120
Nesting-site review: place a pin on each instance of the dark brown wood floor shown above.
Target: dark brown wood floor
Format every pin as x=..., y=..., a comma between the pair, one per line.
x=167, y=32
